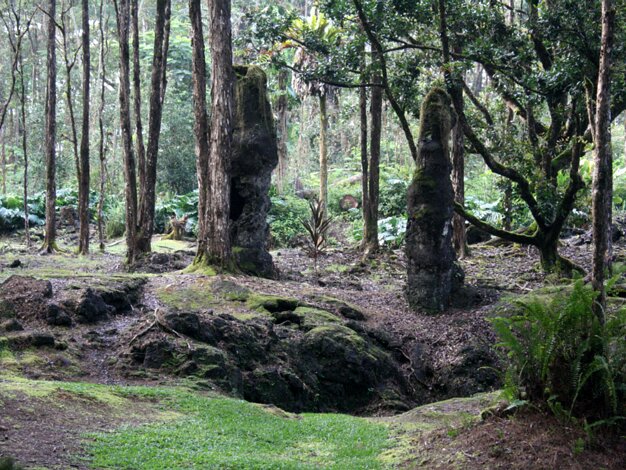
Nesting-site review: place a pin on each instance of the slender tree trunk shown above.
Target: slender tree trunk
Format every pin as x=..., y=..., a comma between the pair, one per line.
x=101, y=149
x=603, y=160
x=83, y=187
x=49, y=244
x=216, y=249
x=130, y=179
x=157, y=94
x=140, y=149
x=458, y=183
x=371, y=240
x=323, y=153
x=281, y=111
x=24, y=150
x=365, y=187
x=201, y=123
x=69, y=95
x=4, y=163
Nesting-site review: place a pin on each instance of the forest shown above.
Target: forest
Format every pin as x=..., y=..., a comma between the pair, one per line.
x=312, y=234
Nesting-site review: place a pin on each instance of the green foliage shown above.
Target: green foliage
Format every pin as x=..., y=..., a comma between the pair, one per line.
x=391, y=231
x=284, y=219
x=560, y=354
x=115, y=219
x=392, y=201
x=317, y=227
x=12, y=208
x=179, y=206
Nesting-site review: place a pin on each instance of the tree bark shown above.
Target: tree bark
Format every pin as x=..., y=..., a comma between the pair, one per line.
x=281, y=111
x=24, y=150
x=157, y=95
x=376, y=108
x=216, y=248
x=201, y=124
x=101, y=149
x=367, y=222
x=49, y=243
x=323, y=154
x=140, y=149
x=603, y=163
x=122, y=9
x=83, y=187
x=458, y=183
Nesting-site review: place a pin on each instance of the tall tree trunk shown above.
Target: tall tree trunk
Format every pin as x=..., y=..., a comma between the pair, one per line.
x=49, y=243
x=281, y=111
x=201, y=124
x=157, y=94
x=4, y=162
x=83, y=186
x=140, y=149
x=371, y=237
x=323, y=153
x=24, y=150
x=130, y=178
x=101, y=149
x=216, y=248
x=365, y=187
x=69, y=94
x=603, y=162
x=458, y=183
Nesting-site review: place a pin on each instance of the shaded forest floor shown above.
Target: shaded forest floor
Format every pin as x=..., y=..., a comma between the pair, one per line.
x=86, y=377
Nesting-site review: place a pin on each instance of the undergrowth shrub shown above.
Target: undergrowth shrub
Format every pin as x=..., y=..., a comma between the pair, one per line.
x=179, y=205
x=560, y=354
x=285, y=217
x=115, y=218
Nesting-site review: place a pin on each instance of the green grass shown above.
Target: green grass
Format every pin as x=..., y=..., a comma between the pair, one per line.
x=232, y=434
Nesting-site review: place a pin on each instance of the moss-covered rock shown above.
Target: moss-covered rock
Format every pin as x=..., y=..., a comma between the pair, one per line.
x=269, y=304
x=348, y=368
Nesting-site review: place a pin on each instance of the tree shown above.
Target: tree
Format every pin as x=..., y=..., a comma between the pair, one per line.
x=534, y=74
x=603, y=161
x=371, y=166
x=84, y=175
x=101, y=140
x=215, y=248
x=49, y=243
x=283, y=137
x=201, y=124
x=122, y=10
x=157, y=95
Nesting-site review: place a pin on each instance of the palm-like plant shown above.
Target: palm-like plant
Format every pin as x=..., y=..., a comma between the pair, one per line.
x=317, y=227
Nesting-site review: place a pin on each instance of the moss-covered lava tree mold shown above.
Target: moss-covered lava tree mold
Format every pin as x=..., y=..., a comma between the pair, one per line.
x=432, y=272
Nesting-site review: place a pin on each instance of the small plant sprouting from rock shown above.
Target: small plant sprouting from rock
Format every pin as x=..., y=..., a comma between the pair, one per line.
x=317, y=227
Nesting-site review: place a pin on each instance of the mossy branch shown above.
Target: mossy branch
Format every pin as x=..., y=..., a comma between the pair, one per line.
x=506, y=235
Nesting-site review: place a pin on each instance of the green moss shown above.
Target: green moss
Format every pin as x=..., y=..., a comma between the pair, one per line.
x=230, y=290
x=200, y=268
x=425, y=183
x=436, y=116
x=194, y=298
x=338, y=333
x=268, y=304
x=313, y=317
x=336, y=268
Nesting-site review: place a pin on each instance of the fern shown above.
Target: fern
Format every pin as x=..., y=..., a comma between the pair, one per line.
x=559, y=354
